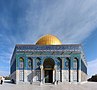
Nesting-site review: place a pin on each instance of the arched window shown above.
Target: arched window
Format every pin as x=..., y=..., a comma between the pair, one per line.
x=75, y=63
x=38, y=62
x=30, y=63
x=67, y=63
x=21, y=62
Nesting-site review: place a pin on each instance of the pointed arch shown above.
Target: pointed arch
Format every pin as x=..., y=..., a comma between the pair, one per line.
x=21, y=60
x=48, y=63
x=48, y=66
x=30, y=63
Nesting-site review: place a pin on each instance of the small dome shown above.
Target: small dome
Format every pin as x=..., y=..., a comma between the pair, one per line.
x=48, y=40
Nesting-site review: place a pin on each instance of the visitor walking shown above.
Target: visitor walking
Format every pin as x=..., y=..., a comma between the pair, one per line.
x=1, y=82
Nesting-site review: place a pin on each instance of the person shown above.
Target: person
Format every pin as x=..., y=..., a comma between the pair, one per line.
x=1, y=82
x=57, y=82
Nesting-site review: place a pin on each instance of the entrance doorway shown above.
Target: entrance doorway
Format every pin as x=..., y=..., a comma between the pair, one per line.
x=48, y=76
x=48, y=67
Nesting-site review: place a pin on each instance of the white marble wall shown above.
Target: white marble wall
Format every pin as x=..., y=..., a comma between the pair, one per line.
x=13, y=76
x=83, y=76
x=65, y=75
x=35, y=76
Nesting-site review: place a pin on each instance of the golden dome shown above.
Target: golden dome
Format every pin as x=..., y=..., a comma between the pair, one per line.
x=48, y=40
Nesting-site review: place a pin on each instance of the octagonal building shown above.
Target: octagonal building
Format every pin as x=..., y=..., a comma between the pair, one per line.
x=48, y=61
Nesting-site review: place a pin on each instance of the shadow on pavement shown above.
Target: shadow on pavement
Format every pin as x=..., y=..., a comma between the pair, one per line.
x=8, y=81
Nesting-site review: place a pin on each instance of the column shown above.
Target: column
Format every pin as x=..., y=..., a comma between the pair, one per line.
x=34, y=58
x=53, y=76
x=71, y=69
x=55, y=68
x=33, y=72
x=79, y=70
x=63, y=69
x=25, y=68
x=41, y=67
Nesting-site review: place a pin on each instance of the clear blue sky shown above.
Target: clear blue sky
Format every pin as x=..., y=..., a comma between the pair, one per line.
x=24, y=21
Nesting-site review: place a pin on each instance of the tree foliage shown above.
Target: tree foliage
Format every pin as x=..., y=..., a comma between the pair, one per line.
x=93, y=78
x=7, y=78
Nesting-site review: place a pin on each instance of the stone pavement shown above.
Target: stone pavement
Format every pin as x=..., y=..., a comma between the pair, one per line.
x=84, y=86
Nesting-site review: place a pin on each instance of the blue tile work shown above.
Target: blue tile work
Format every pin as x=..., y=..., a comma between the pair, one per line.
x=59, y=63
x=83, y=67
x=18, y=56
x=13, y=67
x=37, y=63
x=78, y=57
x=67, y=64
x=75, y=47
x=31, y=63
x=39, y=53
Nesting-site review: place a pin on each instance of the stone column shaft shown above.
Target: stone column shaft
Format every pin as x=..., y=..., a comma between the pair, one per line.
x=41, y=67
x=55, y=67
x=71, y=67
x=79, y=71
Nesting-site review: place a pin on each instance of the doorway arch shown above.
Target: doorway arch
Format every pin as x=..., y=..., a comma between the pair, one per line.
x=48, y=67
